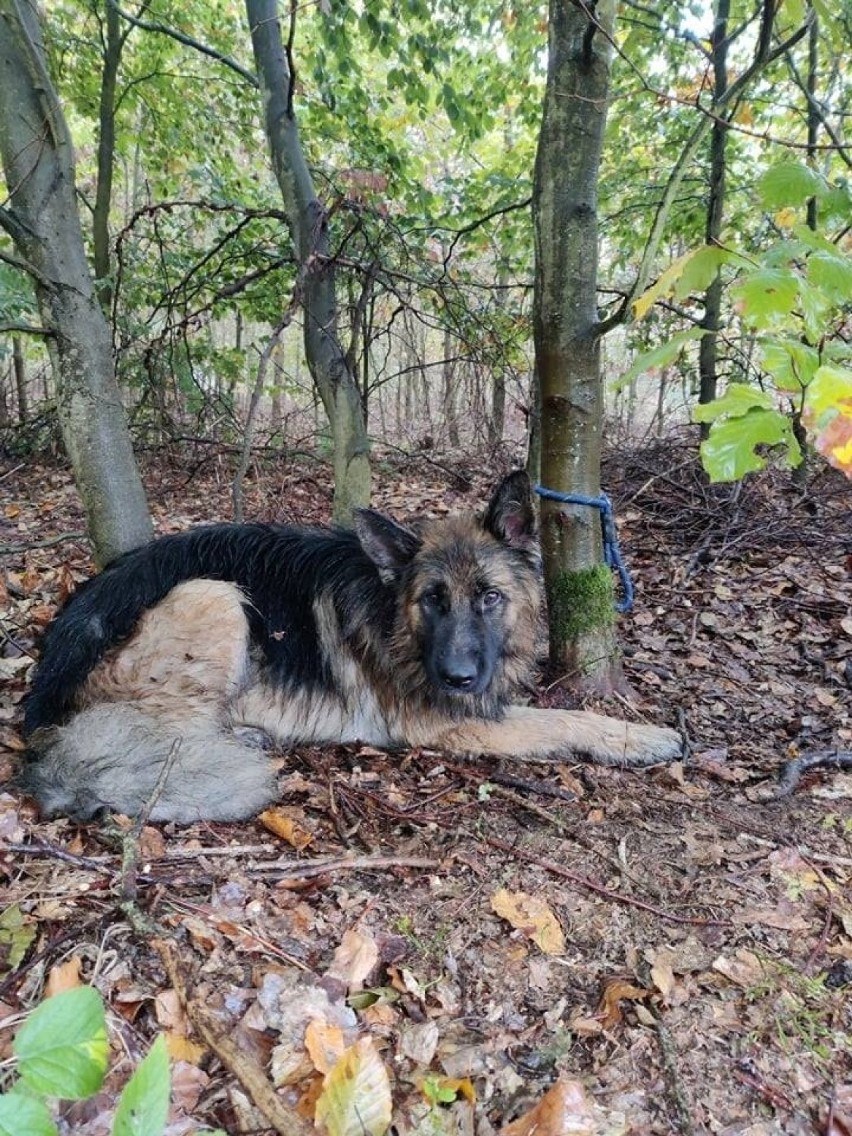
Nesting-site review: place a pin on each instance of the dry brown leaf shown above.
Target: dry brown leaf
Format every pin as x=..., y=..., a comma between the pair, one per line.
x=63, y=976
x=616, y=990
x=530, y=914
x=354, y=959
x=564, y=1109
x=745, y=968
x=284, y=824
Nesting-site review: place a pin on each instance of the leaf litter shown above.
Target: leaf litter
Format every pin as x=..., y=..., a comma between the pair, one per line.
x=671, y=951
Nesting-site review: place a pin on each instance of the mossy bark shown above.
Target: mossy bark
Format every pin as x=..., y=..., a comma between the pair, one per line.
x=566, y=331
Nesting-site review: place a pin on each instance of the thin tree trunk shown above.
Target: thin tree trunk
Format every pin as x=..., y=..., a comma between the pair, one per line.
x=102, y=256
x=567, y=345
x=308, y=223
x=448, y=391
x=42, y=219
x=20, y=379
x=709, y=347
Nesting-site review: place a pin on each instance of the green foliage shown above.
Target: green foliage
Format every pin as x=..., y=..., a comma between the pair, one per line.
x=61, y=1052
x=16, y=935
x=144, y=1105
x=62, y=1047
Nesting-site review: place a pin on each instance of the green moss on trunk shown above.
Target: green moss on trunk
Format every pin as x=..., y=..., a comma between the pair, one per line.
x=582, y=618
x=581, y=602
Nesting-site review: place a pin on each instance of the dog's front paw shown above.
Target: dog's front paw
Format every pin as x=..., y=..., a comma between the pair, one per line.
x=648, y=745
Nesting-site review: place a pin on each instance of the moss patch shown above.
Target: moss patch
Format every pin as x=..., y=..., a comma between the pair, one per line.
x=581, y=603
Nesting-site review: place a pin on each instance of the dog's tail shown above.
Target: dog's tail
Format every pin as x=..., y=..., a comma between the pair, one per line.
x=115, y=757
x=105, y=609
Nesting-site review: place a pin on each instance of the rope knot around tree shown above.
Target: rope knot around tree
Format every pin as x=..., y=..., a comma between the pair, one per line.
x=609, y=533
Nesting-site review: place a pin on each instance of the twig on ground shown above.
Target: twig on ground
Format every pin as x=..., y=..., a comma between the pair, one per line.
x=520, y=852
x=669, y=1054
x=791, y=771
x=48, y=542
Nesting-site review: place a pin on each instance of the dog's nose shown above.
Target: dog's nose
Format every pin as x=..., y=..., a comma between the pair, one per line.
x=458, y=674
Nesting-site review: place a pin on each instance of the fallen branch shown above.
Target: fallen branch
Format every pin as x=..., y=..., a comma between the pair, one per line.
x=236, y=1060
x=791, y=771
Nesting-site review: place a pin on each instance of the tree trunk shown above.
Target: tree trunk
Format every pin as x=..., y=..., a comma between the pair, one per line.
x=709, y=346
x=308, y=223
x=448, y=393
x=20, y=379
x=113, y=44
x=565, y=320
x=42, y=219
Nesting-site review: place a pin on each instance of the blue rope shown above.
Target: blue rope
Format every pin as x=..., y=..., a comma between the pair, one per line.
x=612, y=553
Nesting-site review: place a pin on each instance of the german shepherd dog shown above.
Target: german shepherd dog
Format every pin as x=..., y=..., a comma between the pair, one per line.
x=160, y=674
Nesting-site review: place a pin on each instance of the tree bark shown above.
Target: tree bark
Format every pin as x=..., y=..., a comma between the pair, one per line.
x=709, y=346
x=43, y=221
x=113, y=46
x=567, y=346
x=308, y=223
x=20, y=379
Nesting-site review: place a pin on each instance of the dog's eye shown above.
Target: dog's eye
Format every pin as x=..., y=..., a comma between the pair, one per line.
x=431, y=600
x=492, y=598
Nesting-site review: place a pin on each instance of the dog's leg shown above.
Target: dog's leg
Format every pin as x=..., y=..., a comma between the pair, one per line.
x=552, y=735
x=163, y=697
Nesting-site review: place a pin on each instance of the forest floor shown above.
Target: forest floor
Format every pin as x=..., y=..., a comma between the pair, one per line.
x=659, y=952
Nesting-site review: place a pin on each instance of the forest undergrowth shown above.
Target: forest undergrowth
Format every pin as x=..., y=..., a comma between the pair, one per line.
x=522, y=948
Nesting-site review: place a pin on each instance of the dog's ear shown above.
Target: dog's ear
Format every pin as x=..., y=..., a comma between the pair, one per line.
x=510, y=516
x=389, y=545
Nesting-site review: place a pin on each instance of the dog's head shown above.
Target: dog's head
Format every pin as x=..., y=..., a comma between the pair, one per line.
x=467, y=599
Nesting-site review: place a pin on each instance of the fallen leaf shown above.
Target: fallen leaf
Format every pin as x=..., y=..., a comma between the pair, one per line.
x=354, y=959
x=325, y=1045
x=614, y=991
x=286, y=826
x=530, y=914
x=63, y=976
x=564, y=1110
x=356, y=1096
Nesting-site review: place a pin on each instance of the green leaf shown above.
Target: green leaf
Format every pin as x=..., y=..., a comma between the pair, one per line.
x=659, y=356
x=790, y=362
x=700, y=270
x=738, y=399
x=62, y=1046
x=144, y=1105
x=767, y=294
x=728, y=454
x=788, y=183
x=24, y=1116
x=832, y=273
x=16, y=934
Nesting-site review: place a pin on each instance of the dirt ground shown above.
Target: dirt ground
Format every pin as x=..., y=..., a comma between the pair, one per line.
x=644, y=953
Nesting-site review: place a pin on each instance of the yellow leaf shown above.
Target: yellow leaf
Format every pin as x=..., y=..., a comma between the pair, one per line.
x=785, y=218
x=530, y=914
x=180, y=1048
x=356, y=1097
x=63, y=976
x=662, y=286
x=325, y=1045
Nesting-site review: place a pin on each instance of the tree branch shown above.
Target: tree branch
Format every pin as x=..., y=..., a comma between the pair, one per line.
x=763, y=58
x=188, y=41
